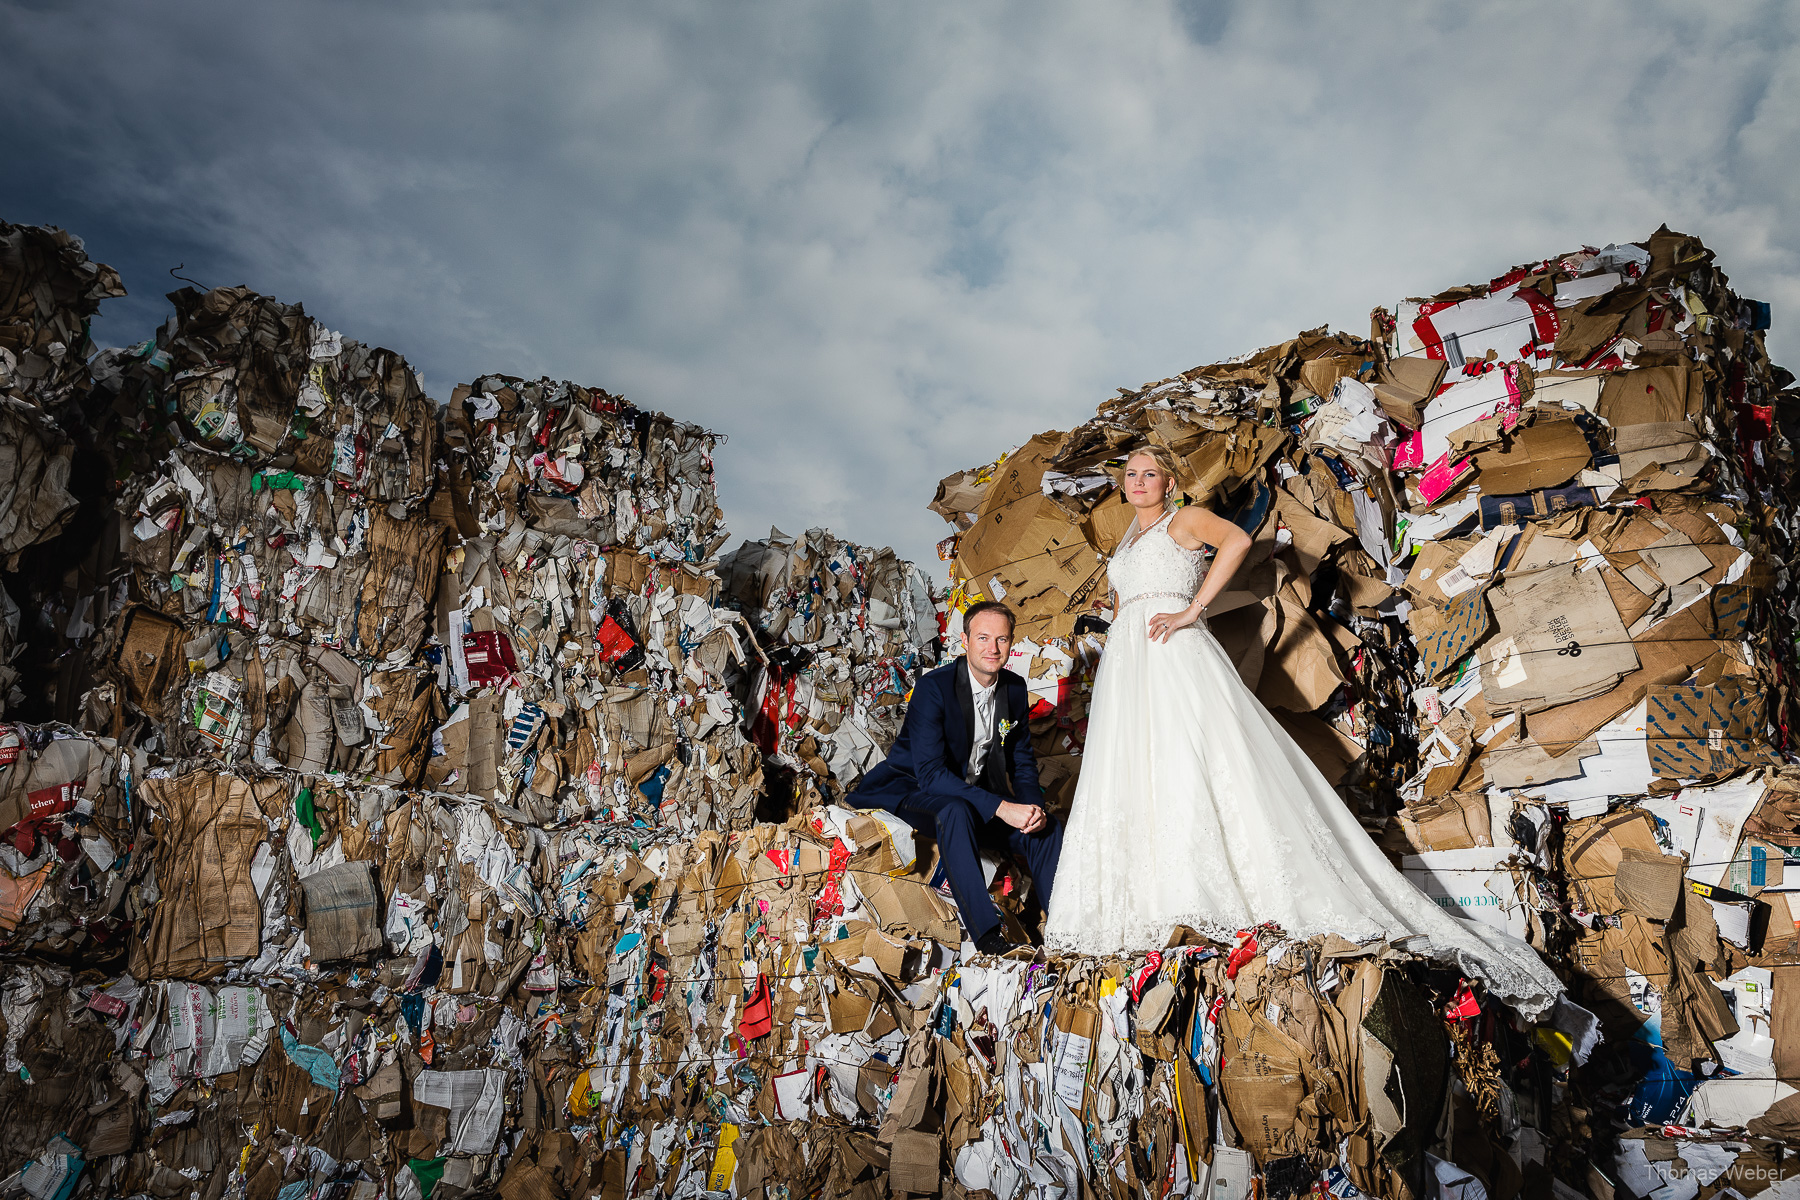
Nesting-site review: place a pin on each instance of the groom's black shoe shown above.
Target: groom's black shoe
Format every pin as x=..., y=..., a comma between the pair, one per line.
x=995, y=941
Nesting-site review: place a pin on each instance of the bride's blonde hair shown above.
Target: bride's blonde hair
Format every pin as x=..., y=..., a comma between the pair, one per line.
x=1163, y=458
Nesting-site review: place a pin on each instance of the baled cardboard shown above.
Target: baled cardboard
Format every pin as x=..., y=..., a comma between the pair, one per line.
x=1454, y=821
x=1667, y=653
x=1559, y=639
x=1227, y=458
x=210, y=916
x=1403, y=385
x=1542, y=455
x=1661, y=456
x=1022, y=472
x=343, y=911
x=1301, y=671
x=1702, y=732
x=913, y=1167
x=1472, y=883
x=1467, y=622
x=1594, y=848
x=1649, y=883
x=1025, y=528
x=1652, y=395
x=1262, y=1082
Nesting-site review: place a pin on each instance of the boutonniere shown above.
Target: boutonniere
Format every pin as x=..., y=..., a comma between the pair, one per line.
x=1007, y=727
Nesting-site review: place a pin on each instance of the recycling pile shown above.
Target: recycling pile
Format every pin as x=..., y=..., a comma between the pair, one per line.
x=410, y=800
x=352, y=716
x=48, y=292
x=843, y=630
x=1517, y=584
x=587, y=662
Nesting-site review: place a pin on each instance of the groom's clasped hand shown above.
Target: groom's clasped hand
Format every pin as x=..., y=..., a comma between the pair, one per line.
x=1026, y=818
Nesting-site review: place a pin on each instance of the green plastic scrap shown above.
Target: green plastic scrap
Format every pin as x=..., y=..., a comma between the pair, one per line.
x=277, y=480
x=427, y=1171
x=307, y=815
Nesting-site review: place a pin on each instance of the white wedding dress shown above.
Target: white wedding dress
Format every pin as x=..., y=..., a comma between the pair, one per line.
x=1196, y=808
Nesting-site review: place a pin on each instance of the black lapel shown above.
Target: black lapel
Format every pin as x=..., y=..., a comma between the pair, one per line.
x=965, y=701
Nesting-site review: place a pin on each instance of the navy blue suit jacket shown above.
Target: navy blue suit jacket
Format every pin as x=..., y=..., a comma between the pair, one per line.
x=931, y=755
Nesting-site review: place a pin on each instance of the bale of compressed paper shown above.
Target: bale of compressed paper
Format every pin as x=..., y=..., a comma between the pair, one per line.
x=843, y=633
x=259, y=381
x=49, y=291
x=588, y=660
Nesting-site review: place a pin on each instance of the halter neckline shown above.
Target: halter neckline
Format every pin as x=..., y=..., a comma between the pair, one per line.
x=1142, y=533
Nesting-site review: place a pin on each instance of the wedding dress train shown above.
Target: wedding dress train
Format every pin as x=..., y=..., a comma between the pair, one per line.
x=1196, y=808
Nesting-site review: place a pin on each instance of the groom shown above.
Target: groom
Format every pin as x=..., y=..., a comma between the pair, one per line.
x=963, y=770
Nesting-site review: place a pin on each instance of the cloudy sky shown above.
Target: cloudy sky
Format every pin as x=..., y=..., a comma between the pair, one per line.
x=876, y=243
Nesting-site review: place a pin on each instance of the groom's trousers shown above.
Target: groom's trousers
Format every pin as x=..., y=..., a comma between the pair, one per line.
x=961, y=832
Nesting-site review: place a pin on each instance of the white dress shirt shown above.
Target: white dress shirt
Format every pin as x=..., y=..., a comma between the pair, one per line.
x=984, y=726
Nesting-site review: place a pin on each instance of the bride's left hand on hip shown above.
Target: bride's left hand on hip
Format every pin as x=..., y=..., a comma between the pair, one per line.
x=1164, y=624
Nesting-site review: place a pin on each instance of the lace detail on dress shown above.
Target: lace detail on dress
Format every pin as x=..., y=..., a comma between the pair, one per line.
x=1152, y=562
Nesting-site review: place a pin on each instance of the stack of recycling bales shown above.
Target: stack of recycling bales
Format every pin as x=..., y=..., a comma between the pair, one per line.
x=49, y=290
x=1517, y=584
x=282, y=565
x=382, y=705
x=586, y=654
x=842, y=631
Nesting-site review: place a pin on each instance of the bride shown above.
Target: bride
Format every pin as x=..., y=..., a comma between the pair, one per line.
x=1196, y=808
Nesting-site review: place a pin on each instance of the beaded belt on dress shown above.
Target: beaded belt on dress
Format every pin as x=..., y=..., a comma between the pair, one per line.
x=1124, y=604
